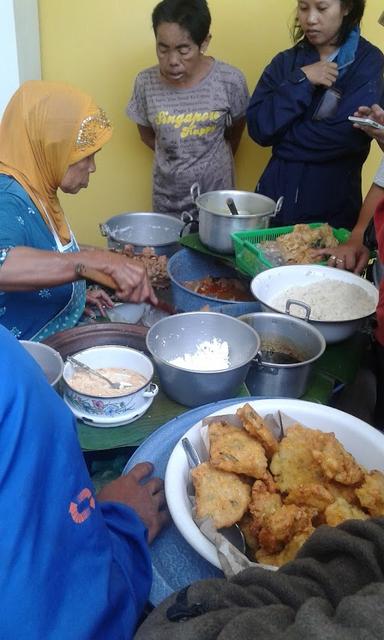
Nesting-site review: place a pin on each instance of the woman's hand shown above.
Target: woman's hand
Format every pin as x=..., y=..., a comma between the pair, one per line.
x=352, y=256
x=97, y=298
x=375, y=112
x=321, y=73
x=143, y=495
x=130, y=276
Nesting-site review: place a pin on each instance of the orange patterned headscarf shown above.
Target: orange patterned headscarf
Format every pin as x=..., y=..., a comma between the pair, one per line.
x=46, y=127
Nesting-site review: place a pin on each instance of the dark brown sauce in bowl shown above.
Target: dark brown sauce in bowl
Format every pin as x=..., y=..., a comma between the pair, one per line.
x=279, y=357
x=231, y=289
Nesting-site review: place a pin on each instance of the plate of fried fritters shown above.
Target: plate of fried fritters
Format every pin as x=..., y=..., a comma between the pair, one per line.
x=327, y=467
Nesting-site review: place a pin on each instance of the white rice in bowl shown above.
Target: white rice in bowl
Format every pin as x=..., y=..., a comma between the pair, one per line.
x=330, y=301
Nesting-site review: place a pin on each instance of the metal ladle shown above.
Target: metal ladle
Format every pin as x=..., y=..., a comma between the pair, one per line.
x=231, y=206
x=85, y=367
x=233, y=534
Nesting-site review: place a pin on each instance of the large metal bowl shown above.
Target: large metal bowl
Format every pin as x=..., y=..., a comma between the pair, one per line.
x=157, y=230
x=268, y=284
x=216, y=223
x=177, y=335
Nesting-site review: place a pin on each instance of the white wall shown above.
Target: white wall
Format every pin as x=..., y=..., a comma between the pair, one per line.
x=19, y=46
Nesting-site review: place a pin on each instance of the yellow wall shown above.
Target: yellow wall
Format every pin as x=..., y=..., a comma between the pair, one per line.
x=100, y=46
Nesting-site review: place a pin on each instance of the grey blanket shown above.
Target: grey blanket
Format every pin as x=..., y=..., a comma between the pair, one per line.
x=334, y=590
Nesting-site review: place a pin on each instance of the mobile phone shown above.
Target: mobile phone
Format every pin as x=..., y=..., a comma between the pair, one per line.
x=366, y=122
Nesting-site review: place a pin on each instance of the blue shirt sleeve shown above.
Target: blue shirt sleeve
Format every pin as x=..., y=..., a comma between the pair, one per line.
x=71, y=568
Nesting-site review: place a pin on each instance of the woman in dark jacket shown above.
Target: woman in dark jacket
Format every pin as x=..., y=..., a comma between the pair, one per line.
x=300, y=108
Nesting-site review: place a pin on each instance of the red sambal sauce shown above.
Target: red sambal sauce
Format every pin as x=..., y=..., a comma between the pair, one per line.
x=221, y=288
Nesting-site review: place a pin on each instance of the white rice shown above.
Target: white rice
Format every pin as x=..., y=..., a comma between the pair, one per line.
x=330, y=300
x=210, y=355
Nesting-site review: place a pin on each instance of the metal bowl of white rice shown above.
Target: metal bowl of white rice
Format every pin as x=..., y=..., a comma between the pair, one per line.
x=336, y=302
x=202, y=357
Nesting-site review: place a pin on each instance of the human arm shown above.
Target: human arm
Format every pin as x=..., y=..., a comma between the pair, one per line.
x=27, y=269
x=234, y=133
x=354, y=255
x=334, y=589
x=90, y=561
x=147, y=136
x=375, y=112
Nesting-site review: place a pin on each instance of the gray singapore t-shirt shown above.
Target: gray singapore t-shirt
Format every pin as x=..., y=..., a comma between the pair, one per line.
x=189, y=126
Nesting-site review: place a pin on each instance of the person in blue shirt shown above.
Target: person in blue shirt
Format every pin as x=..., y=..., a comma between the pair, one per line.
x=49, y=136
x=73, y=565
x=300, y=108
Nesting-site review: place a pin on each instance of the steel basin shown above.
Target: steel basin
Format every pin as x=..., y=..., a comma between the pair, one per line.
x=157, y=230
x=266, y=285
x=180, y=334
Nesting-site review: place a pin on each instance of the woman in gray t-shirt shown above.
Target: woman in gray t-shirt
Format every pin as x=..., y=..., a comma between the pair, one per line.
x=190, y=108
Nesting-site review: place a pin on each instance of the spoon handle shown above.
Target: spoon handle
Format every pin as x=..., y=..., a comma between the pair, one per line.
x=232, y=207
x=192, y=455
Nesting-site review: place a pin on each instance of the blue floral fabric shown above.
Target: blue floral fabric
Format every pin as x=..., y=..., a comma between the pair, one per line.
x=33, y=314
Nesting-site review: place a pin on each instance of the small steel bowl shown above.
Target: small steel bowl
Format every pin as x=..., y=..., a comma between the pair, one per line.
x=49, y=360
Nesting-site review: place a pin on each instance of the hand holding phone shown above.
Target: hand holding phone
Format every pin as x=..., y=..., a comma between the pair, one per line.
x=366, y=122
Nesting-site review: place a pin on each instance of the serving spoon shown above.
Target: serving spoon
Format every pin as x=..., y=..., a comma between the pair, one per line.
x=233, y=534
x=231, y=206
x=85, y=367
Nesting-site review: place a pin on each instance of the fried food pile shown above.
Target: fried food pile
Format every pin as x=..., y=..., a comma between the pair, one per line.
x=155, y=265
x=297, y=247
x=279, y=492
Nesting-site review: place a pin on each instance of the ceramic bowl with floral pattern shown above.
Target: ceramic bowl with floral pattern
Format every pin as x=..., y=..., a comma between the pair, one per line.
x=110, y=357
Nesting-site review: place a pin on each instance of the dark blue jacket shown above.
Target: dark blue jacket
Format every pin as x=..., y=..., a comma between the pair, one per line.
x=316, y=164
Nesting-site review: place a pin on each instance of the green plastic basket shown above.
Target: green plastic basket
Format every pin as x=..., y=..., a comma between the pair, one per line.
x=251, y=259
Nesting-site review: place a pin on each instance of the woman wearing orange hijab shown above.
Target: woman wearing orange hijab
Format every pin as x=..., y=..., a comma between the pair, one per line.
x=49, y=135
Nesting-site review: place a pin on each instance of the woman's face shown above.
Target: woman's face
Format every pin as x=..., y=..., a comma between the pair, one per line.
x=77, y=175
x=321, y=20
x=179, y=56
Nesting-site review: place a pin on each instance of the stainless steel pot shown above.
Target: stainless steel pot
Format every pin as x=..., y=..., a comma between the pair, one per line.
x=280, y=335
x=180, y=334
x=157, y=230
x=216, y=223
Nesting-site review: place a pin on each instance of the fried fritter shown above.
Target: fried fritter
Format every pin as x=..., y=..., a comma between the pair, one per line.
x=263, y=503
x=371, y=493
x=336, y=463
x=219, y=494
x=310, y=495
x=282, y=525
x=293, y=464
x=341, y=510
x=288, y=553
x=256, y=427
x=233, y=449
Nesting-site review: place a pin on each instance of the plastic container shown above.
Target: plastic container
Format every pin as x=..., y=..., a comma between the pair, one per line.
x=251, y=259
